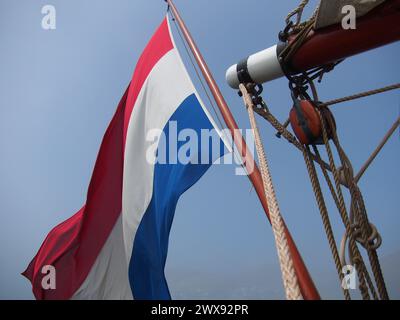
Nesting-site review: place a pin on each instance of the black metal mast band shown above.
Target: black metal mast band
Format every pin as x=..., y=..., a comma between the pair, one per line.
x=243, y=72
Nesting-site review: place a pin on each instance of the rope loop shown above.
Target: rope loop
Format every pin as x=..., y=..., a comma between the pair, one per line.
x=297, y=13
x=374, y=239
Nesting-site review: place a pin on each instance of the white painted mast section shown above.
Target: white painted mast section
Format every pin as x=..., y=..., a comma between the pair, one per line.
x=262, y=66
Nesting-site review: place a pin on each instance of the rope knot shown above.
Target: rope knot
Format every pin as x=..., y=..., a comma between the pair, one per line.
x=373, y=241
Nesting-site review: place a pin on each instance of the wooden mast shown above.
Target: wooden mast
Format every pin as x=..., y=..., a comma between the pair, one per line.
x=308, y=289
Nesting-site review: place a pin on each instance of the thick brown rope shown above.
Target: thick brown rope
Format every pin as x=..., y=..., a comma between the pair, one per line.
x=360, y=214
x=361, y=270
x=308, y=156
x=324, y=215
x=265, y=113
x=327, y=179
x=369, y=236
x=346, y=164
x=342, y=253
x=353, y=234
x=357, y=204
x=289, y=276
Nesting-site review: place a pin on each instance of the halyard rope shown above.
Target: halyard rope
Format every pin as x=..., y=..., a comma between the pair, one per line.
x=289, y=276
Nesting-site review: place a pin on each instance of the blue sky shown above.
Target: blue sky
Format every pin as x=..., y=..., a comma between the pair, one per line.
x=59, y=89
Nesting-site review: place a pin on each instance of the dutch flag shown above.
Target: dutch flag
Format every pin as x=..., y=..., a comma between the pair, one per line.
x=116, y=246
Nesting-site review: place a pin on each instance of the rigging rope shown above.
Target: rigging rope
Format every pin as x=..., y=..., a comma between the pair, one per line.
x=378, y=149
x=362, y=95
x=308, y=156
x=358, y=260
x=282, y=131
x=324, y=215
x=368, y=236
x=298, y=11
x=359, y=214
x=358, y=228
x=289, y=276
x=299, y=29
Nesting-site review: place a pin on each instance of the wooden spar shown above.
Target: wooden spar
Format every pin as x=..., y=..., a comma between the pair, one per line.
x=377, y=28
x=308, y=289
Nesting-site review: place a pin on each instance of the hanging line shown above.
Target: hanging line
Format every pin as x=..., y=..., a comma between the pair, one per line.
x=290, y=280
